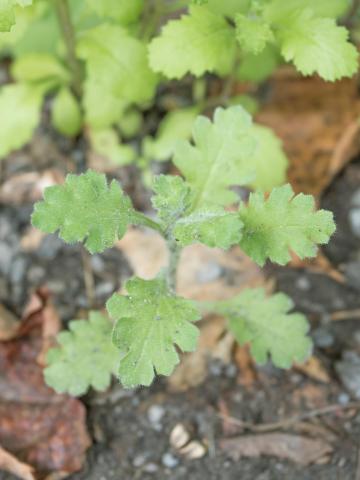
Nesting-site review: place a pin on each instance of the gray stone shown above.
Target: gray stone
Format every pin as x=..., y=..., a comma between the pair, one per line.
x=155, y=414
x=6, y=257
x=18, y=269
x=323, y=338
x=354, y=220
x=348, y=370
x=210, y=272
x=169, y=460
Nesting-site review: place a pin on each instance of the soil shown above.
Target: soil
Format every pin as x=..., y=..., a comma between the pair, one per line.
x=131, y=428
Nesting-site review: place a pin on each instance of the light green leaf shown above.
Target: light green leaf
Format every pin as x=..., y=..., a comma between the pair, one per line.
x=117, y=73
x=283, y=221
x=257, y=68
x=66, y=114
x=269, y=159
x=7, y=12
x=318, y=45
x=33, y=67
x=123, y=11
x=278, y=11
x=84, y=208
x=175, y=126
x=20, y=107
x=253, y=33
x=102, y=107
x=265, y=323
x=219, y=157
x=130, y=123
x=150, y=321
x=7, y=15
x=106, y=142
x=85, y=357
x=229, y=8
x=213, y=227
x=172, y=198
x=197, y=43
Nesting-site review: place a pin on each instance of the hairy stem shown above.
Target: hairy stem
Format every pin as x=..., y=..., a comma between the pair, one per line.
x=171, y=271
x=139, y=218
x=64, y=18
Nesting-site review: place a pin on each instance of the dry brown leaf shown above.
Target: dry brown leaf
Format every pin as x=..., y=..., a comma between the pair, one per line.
x=193, y=367
x=49, y=430
x=316, y=121
x=11, y=464
x=314, y=369
x=29, y=186
x=299, y=449
x=247, y=372
x=9, y=324
x=204, y=273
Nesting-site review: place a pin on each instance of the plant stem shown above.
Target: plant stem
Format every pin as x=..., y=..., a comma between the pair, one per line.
x=64, y=18
x=174, y=253
x=142, y=219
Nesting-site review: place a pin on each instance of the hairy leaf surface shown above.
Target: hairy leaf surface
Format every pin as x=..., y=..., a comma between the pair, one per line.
x=150, y=321
x=265, y=323
x=219, y=157
x=85, y=209
x=85, y=357
x=172, y=198
x=283, y=221
x=213, y=227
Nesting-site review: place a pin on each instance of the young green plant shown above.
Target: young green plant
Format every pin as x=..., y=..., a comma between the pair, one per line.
x=151, y=322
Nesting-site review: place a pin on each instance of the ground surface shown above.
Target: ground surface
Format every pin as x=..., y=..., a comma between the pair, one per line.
x=131, y=429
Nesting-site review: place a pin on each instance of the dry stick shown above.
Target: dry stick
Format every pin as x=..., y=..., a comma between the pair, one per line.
x=64, y=18
x=268, y=427
x=345, y=315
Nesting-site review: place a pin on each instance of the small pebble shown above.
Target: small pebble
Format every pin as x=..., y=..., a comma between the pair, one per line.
x=150, y=468
x=169, y=460
x=209, y=272
x=354, y=220
x=139, y=460
x=343, y=398
x=155, y=414
x=323, y=338
x=348, y=370
x=303, y=283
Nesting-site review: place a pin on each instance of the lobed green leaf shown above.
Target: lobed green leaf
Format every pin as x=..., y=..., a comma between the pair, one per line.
x=283, y=221
x=150, y=321
x=85, y=209
x=266, y=324
x=190, y=45
x=85, y=357
x=219, y=157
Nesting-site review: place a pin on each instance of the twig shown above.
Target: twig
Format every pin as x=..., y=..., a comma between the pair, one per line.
x=345, y=314
x=64, y=18
x=268, y=427
x=88, y=277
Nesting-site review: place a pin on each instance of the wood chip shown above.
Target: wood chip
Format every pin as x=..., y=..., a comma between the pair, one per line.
x=11, y=464
x=299, y=449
